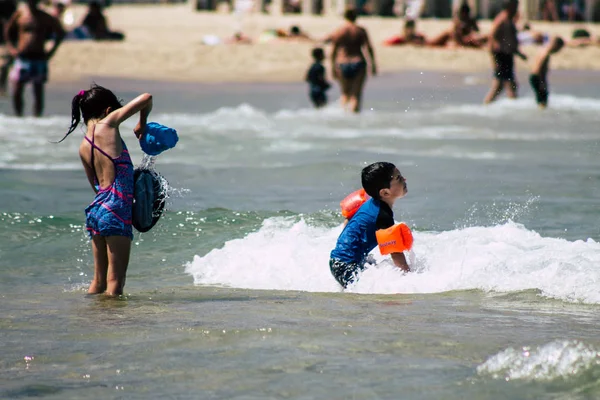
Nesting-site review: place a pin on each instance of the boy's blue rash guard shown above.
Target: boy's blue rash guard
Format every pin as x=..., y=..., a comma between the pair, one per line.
x=358, y=237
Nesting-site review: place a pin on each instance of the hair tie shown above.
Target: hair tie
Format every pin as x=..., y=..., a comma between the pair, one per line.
x=81, y=93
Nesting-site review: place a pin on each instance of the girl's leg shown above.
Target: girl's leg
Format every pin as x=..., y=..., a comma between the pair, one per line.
x=98, y=284
x=119, y=248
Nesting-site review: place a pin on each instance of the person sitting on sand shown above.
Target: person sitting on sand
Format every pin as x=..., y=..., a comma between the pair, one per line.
x=464, y=31
x=409, y=36
x=96, y=24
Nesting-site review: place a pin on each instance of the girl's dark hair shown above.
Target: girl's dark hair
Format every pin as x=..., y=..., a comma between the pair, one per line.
x=377, y=176
x=91, y=104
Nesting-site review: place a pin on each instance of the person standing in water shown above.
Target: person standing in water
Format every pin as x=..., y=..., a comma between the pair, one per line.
x=539, y=72
x=109, y=170
x=504, y=45
x=349, y=64
x=32, y=27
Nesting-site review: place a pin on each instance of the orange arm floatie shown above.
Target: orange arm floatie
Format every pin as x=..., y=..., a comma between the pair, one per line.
x=352, y=202
x=395, y=239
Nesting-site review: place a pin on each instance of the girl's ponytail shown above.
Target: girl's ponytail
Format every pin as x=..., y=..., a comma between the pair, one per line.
x=75, y=113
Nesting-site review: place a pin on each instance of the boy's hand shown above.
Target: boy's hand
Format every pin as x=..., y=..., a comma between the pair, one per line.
x=139, y=130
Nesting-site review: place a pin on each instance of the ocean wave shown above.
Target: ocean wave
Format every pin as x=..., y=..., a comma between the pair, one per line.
x=561, y=359
x=290, y=254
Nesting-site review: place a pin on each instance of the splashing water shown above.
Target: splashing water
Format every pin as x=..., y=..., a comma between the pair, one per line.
x=557, y=359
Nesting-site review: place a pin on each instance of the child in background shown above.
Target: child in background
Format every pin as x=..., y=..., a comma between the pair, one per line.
x=539, y=73
x=384, y=183
x=109, y=171
x=316, y=79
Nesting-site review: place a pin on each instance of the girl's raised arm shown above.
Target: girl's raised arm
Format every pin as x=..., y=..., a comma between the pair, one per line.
x=142, y=103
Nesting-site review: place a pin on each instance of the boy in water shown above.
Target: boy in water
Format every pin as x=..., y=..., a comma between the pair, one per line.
x=33, y=27
x=316, y=79
x=539, y=72
x=384, y=183
x=504, y=45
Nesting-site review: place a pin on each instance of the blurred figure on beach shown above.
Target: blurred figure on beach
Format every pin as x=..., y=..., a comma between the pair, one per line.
x=409, y=36
x=581, y=37
x=7, y=8
x=294, y=34
x=549, y=10
x=97, y=26
x=31, y=27
x=464, y=31
x=315, y=77
x=539, y=72
x=504, y=45
x=528, y=36
x=348, y=61
x=238, y=38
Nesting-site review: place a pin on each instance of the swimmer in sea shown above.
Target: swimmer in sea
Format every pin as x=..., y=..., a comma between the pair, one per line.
x=349, y=64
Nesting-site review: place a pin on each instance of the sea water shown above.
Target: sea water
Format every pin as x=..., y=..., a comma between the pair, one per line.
x=230, y=295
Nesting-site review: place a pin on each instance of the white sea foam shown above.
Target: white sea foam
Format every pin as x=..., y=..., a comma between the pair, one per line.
x=247, y=136
x=554, y=360
x=285, y=254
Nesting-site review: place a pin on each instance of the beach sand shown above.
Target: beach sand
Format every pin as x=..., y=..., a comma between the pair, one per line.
x=165, y=42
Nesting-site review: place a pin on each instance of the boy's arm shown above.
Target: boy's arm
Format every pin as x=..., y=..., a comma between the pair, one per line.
x=400, y=261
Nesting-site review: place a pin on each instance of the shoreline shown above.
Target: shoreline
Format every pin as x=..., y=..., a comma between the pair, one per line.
x=174, y=52
x=400, y=89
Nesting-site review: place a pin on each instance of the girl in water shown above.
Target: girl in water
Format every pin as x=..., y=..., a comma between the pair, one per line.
x=109, y=170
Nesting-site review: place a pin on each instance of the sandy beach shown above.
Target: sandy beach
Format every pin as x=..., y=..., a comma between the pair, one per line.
x=165, y=42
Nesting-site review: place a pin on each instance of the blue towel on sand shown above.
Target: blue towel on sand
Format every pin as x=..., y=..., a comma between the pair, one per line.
x=158, y=138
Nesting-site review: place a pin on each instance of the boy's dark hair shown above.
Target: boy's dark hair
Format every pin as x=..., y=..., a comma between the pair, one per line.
x=409, y=23
x=93, y=104
x=350, y=14
x=465, y=8
x=377, y=176
x=295, y=30
x=318, y=53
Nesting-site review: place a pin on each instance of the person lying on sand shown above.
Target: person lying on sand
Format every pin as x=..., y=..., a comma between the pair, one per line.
x=294, y=34
x=583, y=38
x=238, y=38
x=528, y=36
x=409, y=36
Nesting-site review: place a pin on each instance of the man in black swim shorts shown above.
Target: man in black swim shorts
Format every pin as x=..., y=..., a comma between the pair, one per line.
x=504, y=45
